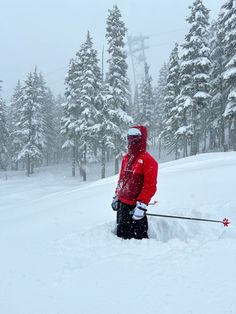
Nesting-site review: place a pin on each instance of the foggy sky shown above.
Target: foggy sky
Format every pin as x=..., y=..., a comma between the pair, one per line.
x=47, y=33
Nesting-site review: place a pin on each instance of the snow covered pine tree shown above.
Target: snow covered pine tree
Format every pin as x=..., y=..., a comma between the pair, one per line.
x=30, y=127
x=194, y=98
x=3, y=136
x=117, y=80
x=228, y=24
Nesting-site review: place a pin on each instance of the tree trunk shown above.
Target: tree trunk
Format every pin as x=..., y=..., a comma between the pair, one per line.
x=222, y=134
x=108, y=155
x=234, y=134
x=103, y=161
x=84, y=163
x=229, y=135
x=185, y=146
x=31, y=168
x=28, y=165
x=176, y=149
x=1, y=163
x=73, y=160
x=47, y=159
x=204, y=140
x=205, y=131
x=116, y=164
x=95, y=150
x=195, y=138
x=159, y=149
x=116, y=155
x=195, y=143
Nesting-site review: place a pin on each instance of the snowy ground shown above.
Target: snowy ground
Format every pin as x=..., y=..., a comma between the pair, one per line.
x=59, y=254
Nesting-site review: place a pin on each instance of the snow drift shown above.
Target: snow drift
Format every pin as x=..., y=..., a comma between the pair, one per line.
x=59, y=253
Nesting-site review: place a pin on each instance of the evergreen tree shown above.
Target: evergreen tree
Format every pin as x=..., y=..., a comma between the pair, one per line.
x=145, y=108
x=216, y=119
x=82, y=87
x=117, y=80
x=195, y=67
x=58, y=140
x=185, y=99
x=15, y=107
x=46, y=103
x=90, y=85
x=159, y=105
x=103, y=127
x=228, y=23
x=3, y=135
x=136, y=107
x=69, y=122
x=31, y=124
x=171, y=123
x=50, y=120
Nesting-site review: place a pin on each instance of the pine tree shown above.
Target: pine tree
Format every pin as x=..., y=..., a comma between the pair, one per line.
x=185, y=98
x=31, y=123
x=171, y=123
x=103, y=128
x=58, y=140
x=46, y=103
x=136, y=107
x=159, y=103
x=117, y=80
x=69, y=122
x=195, y=67
x=82, y=87
x=90, y=85
x=145, y=108
x=50, y=120
x=216, y=119
x=15, y=107
x=228, y=23
x=3, y=135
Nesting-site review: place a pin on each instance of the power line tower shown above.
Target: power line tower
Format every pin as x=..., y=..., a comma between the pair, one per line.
x=136, y=51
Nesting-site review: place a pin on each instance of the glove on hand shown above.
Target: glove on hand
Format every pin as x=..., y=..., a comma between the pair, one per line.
x=115, y=203
x=139, y=211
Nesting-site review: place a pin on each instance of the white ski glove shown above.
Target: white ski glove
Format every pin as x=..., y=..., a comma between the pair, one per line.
x=139, y=211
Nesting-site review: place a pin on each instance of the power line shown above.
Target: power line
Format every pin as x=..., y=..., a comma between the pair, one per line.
x=169, y=32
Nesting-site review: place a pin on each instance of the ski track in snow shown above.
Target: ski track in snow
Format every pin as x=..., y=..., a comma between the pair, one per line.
x=99, y=244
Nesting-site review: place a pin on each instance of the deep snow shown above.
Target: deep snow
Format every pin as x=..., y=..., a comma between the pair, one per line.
x=59, y=253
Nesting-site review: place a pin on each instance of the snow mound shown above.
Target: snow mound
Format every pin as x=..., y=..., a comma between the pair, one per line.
x=59, y=249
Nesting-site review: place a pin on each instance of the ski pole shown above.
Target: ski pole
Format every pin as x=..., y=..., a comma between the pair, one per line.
x=225, y=221
x=153, y=203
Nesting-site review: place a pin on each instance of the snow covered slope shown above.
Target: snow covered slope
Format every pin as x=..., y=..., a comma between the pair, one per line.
x=59, y=254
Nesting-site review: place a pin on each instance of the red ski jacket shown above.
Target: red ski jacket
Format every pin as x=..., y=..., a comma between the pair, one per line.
x=138, y=174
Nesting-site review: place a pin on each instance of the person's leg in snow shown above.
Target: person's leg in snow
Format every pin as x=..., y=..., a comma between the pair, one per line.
x=127, y=228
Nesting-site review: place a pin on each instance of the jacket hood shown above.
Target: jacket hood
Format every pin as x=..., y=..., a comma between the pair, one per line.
x=142, y=145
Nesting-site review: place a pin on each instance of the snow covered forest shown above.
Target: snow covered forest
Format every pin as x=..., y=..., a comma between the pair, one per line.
x=189, y=109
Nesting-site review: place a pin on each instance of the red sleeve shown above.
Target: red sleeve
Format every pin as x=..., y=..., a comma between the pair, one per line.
x=150, y=172
x=121, y=173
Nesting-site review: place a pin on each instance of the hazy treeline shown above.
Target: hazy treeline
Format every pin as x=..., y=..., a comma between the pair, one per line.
x=190, y=109
x=193, y=107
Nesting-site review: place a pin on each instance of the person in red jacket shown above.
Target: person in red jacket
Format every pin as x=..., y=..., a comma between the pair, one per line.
x=136, y=185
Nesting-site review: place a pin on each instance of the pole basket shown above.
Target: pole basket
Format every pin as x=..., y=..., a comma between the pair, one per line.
x=226, y=222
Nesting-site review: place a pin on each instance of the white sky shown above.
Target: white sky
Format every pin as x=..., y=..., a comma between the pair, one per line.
x=47, y=33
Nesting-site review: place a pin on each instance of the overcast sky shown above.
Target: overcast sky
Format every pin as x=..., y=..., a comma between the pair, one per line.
x=47, y=33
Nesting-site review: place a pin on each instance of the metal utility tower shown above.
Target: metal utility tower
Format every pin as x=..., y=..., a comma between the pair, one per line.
x=136, y=51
